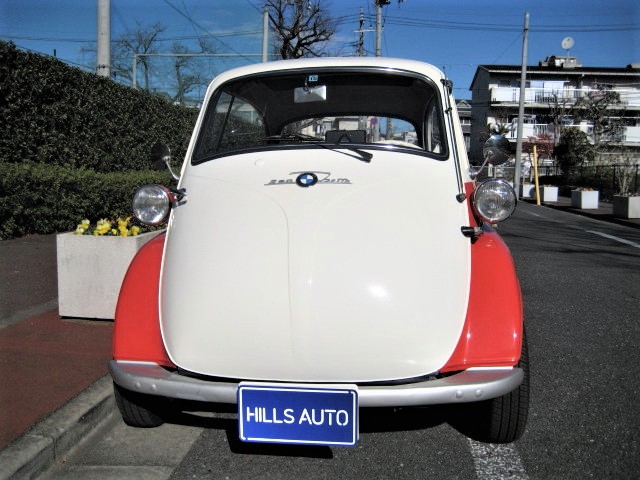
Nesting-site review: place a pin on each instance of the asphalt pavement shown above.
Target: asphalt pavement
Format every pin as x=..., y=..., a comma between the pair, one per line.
x=54, y=388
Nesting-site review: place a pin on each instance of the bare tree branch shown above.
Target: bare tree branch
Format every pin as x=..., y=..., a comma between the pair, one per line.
x=140, y=39
x=303, y=27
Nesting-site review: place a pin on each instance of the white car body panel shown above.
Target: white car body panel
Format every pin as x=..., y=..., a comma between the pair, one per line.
x=330, y=283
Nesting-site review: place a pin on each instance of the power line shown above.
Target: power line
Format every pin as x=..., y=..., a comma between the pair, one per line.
x=196, y=24
x=454, y=25
x=92, y=40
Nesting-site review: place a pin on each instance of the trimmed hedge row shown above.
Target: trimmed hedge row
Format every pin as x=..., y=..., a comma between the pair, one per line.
x=37, y=198
x=74, y=145
x=55, y=114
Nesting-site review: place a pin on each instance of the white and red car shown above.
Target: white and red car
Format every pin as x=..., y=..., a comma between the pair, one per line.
x=327, y=250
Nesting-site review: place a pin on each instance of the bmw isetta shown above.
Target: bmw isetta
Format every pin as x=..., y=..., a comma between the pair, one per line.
x=327, y=249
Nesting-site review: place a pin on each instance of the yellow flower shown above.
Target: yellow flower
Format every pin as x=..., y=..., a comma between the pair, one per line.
x=120, y=226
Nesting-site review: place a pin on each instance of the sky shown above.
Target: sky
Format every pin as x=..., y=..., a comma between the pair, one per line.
x=454, y=35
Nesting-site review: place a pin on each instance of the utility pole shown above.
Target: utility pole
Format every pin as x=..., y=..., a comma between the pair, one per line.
x=103, y=67
x=265, y=34
x=523, y=86
x=379, y=4
x=360, y=50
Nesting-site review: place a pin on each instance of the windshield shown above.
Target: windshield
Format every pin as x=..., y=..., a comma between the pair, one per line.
x=371, y=109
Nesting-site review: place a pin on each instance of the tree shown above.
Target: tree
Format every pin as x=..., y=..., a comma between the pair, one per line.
x=139, y=40
x=544, y=143
x=187, y=74
x=601, y=109
x=627, y=166
x=573, y=149
x=182, y=73
x=303, y=28
x=500, y=128
x=560, y=112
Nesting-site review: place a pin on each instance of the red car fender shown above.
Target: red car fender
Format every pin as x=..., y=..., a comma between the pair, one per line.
x=136, y=334
x=492, y=332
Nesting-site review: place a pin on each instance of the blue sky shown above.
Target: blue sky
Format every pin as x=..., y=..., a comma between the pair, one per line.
x=454, y=35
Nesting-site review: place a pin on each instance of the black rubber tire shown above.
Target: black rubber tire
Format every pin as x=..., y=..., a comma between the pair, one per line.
x=503, y=419
x=138, y=410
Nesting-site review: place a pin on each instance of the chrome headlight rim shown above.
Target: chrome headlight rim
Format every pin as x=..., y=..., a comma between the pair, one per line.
x=152, y=204
x=494, y=200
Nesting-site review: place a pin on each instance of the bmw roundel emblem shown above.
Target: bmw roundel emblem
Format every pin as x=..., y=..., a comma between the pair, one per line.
x=307, y=179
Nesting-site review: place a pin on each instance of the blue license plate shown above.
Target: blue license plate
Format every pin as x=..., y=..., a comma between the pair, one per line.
x=309, y=415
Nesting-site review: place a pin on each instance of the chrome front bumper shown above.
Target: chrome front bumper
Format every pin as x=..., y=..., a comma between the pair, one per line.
x=471, y=385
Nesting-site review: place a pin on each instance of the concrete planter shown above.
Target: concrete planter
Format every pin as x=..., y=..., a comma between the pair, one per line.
x=626, y=207
x=585, y=199
x=527, y=190
x=91, y=270
x=549, y=194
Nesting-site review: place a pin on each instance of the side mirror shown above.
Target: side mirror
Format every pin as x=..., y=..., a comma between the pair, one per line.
x=160, y=153
x=496, y=150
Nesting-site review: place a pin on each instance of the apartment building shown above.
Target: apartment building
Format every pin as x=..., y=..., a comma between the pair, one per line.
x=553, y=86
x=464, y=113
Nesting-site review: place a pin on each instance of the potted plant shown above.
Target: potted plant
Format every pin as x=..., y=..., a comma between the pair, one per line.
x=626, y=203
x=585, y=198
x=626, y=206
x=527, y=190
x=92, y=262
x=549, y=193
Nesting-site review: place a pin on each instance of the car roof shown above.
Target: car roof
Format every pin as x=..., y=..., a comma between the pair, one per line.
x=329, y=62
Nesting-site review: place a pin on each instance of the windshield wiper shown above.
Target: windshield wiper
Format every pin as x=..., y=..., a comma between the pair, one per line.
x=293, y=136
x=363, y=156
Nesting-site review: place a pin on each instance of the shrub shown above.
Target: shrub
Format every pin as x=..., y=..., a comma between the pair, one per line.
x=38, y=198
x=74, y=145
x=59, y=115
x=573, y=149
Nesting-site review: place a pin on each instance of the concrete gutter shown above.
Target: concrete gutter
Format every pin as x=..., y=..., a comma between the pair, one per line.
x=50, y=440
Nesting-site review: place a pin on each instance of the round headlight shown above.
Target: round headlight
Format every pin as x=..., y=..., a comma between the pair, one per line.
x=151, y=204
x=494, y=200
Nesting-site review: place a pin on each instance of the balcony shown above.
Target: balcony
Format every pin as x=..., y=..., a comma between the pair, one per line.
x=630, y=135
x=630, y=97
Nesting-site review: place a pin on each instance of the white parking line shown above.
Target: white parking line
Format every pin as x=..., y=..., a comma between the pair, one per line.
x=617, y=239
x=532, y=213
x=497, y=461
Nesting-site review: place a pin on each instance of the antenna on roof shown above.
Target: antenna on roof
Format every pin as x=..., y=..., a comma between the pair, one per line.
x=567, y=44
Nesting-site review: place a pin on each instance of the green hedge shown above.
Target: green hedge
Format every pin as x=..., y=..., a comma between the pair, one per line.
x=59, y=115
x=37, y=198
x=74, y=145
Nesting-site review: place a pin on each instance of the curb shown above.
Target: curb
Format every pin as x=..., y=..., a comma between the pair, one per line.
x=51, y=439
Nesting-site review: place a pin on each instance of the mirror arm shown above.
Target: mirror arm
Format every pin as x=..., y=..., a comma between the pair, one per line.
x=474, y=173
x=167, y=162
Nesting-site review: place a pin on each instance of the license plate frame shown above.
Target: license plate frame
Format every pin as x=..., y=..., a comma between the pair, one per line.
x=298, y=414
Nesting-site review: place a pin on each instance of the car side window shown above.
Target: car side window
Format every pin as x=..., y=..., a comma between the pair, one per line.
x=433, y=131
x=233, y=124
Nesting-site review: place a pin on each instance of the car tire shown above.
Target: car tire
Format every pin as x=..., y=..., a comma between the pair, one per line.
x=502, y=419
x=138, y=410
